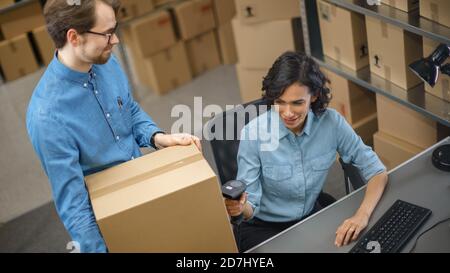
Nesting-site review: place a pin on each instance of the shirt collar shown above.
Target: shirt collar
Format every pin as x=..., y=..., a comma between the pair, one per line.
x=284, y=131
x=63, y=71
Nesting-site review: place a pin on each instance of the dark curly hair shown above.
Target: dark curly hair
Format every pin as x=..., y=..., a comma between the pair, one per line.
x=290, y=68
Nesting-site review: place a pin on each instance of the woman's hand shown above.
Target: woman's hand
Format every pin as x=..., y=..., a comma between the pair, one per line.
x=163, y=140
x=349, y=230
x=236, y=207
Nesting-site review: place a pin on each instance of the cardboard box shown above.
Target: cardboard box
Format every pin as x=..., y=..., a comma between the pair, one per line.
x=393, y=151
x=194, y=18
x=257, y=11
x=406, y=124
x=203, y=53
x=150, y=33
x=6, y=3
x=158, y=3
x=442, y=87
x=166, y=201
x=436, y=10
x=168, y=69
x=224, y=11
x=22, y=19
x=45, y=44
x=351, y=100
x=17, y=58
x=133, y=8
x=366, y=127
x=391, y=50
x=405, y=5
x=347, y=47
x=250, y=82
x=259, y=45
x=227, y=45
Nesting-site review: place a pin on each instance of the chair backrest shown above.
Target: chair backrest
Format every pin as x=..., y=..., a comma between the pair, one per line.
x=352, y=176
x=226, y=128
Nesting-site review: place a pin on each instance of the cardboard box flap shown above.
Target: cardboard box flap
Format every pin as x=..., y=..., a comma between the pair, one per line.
x=134, y=178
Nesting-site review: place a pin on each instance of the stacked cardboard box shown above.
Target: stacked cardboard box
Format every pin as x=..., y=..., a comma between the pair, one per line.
x=436, y=10
x=405, y=5
x=158, y=59
x=391, y=50
x=133, y=8
x=348, y=47
x=170, y=45
x=263, y=30
x=355, y=103
x=402, y=132
x=44, y=43
x=166, y=201
x=6, y=3
x=224, y=11
x=15, y=23
x=195, y=23
x=22, y=19
x=17, y=58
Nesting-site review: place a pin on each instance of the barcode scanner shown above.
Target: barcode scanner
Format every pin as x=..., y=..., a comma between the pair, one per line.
x=233, y=190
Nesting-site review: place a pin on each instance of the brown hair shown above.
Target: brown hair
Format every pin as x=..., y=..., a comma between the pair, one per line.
x=62, y=15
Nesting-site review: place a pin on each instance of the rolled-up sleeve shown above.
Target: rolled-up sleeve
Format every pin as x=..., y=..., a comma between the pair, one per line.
x=352, y=149
x=249, y=169
x=60, y=159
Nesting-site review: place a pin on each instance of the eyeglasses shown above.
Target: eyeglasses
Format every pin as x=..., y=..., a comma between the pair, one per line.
x=108, y=35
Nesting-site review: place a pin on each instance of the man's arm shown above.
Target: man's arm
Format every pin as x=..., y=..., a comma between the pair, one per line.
x=59, y=157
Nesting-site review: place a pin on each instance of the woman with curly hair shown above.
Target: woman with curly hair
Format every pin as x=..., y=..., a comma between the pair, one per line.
x=283, y=184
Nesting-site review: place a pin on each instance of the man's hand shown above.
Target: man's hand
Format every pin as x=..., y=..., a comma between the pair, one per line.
x=163, y=140
x=236, y=207
x=350, y=229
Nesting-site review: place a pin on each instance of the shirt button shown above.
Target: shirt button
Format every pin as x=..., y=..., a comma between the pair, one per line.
x=96, y=92
x=108, y=115
x=117, y=137
x=85, y=85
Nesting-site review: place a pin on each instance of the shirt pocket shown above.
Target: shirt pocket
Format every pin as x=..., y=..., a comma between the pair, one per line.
x=125, y=112
x=277, y=179
x=320, y=166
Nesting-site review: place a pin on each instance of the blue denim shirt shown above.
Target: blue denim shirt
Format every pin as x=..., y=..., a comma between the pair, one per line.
x=283, y=184
x=79, y=124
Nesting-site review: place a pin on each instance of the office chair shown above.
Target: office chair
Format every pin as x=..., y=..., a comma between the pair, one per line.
x=225, y=151
x=352, y=176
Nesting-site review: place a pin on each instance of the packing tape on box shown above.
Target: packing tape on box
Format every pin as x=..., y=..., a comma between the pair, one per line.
x=100, y=191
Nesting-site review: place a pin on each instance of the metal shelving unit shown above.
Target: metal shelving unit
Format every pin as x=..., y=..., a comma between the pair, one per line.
x=416, y=98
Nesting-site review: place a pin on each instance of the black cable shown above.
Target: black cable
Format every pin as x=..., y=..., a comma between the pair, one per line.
x=425, y=231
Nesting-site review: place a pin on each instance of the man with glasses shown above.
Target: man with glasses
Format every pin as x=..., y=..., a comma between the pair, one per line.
x=82, y=117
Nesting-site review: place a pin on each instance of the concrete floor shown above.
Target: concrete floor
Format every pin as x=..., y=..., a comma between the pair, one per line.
x=30, y=223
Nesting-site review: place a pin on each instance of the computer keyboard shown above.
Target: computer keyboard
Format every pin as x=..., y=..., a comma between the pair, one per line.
x=393, y=230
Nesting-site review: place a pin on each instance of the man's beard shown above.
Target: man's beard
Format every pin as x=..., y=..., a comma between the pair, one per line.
x=103, y=57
